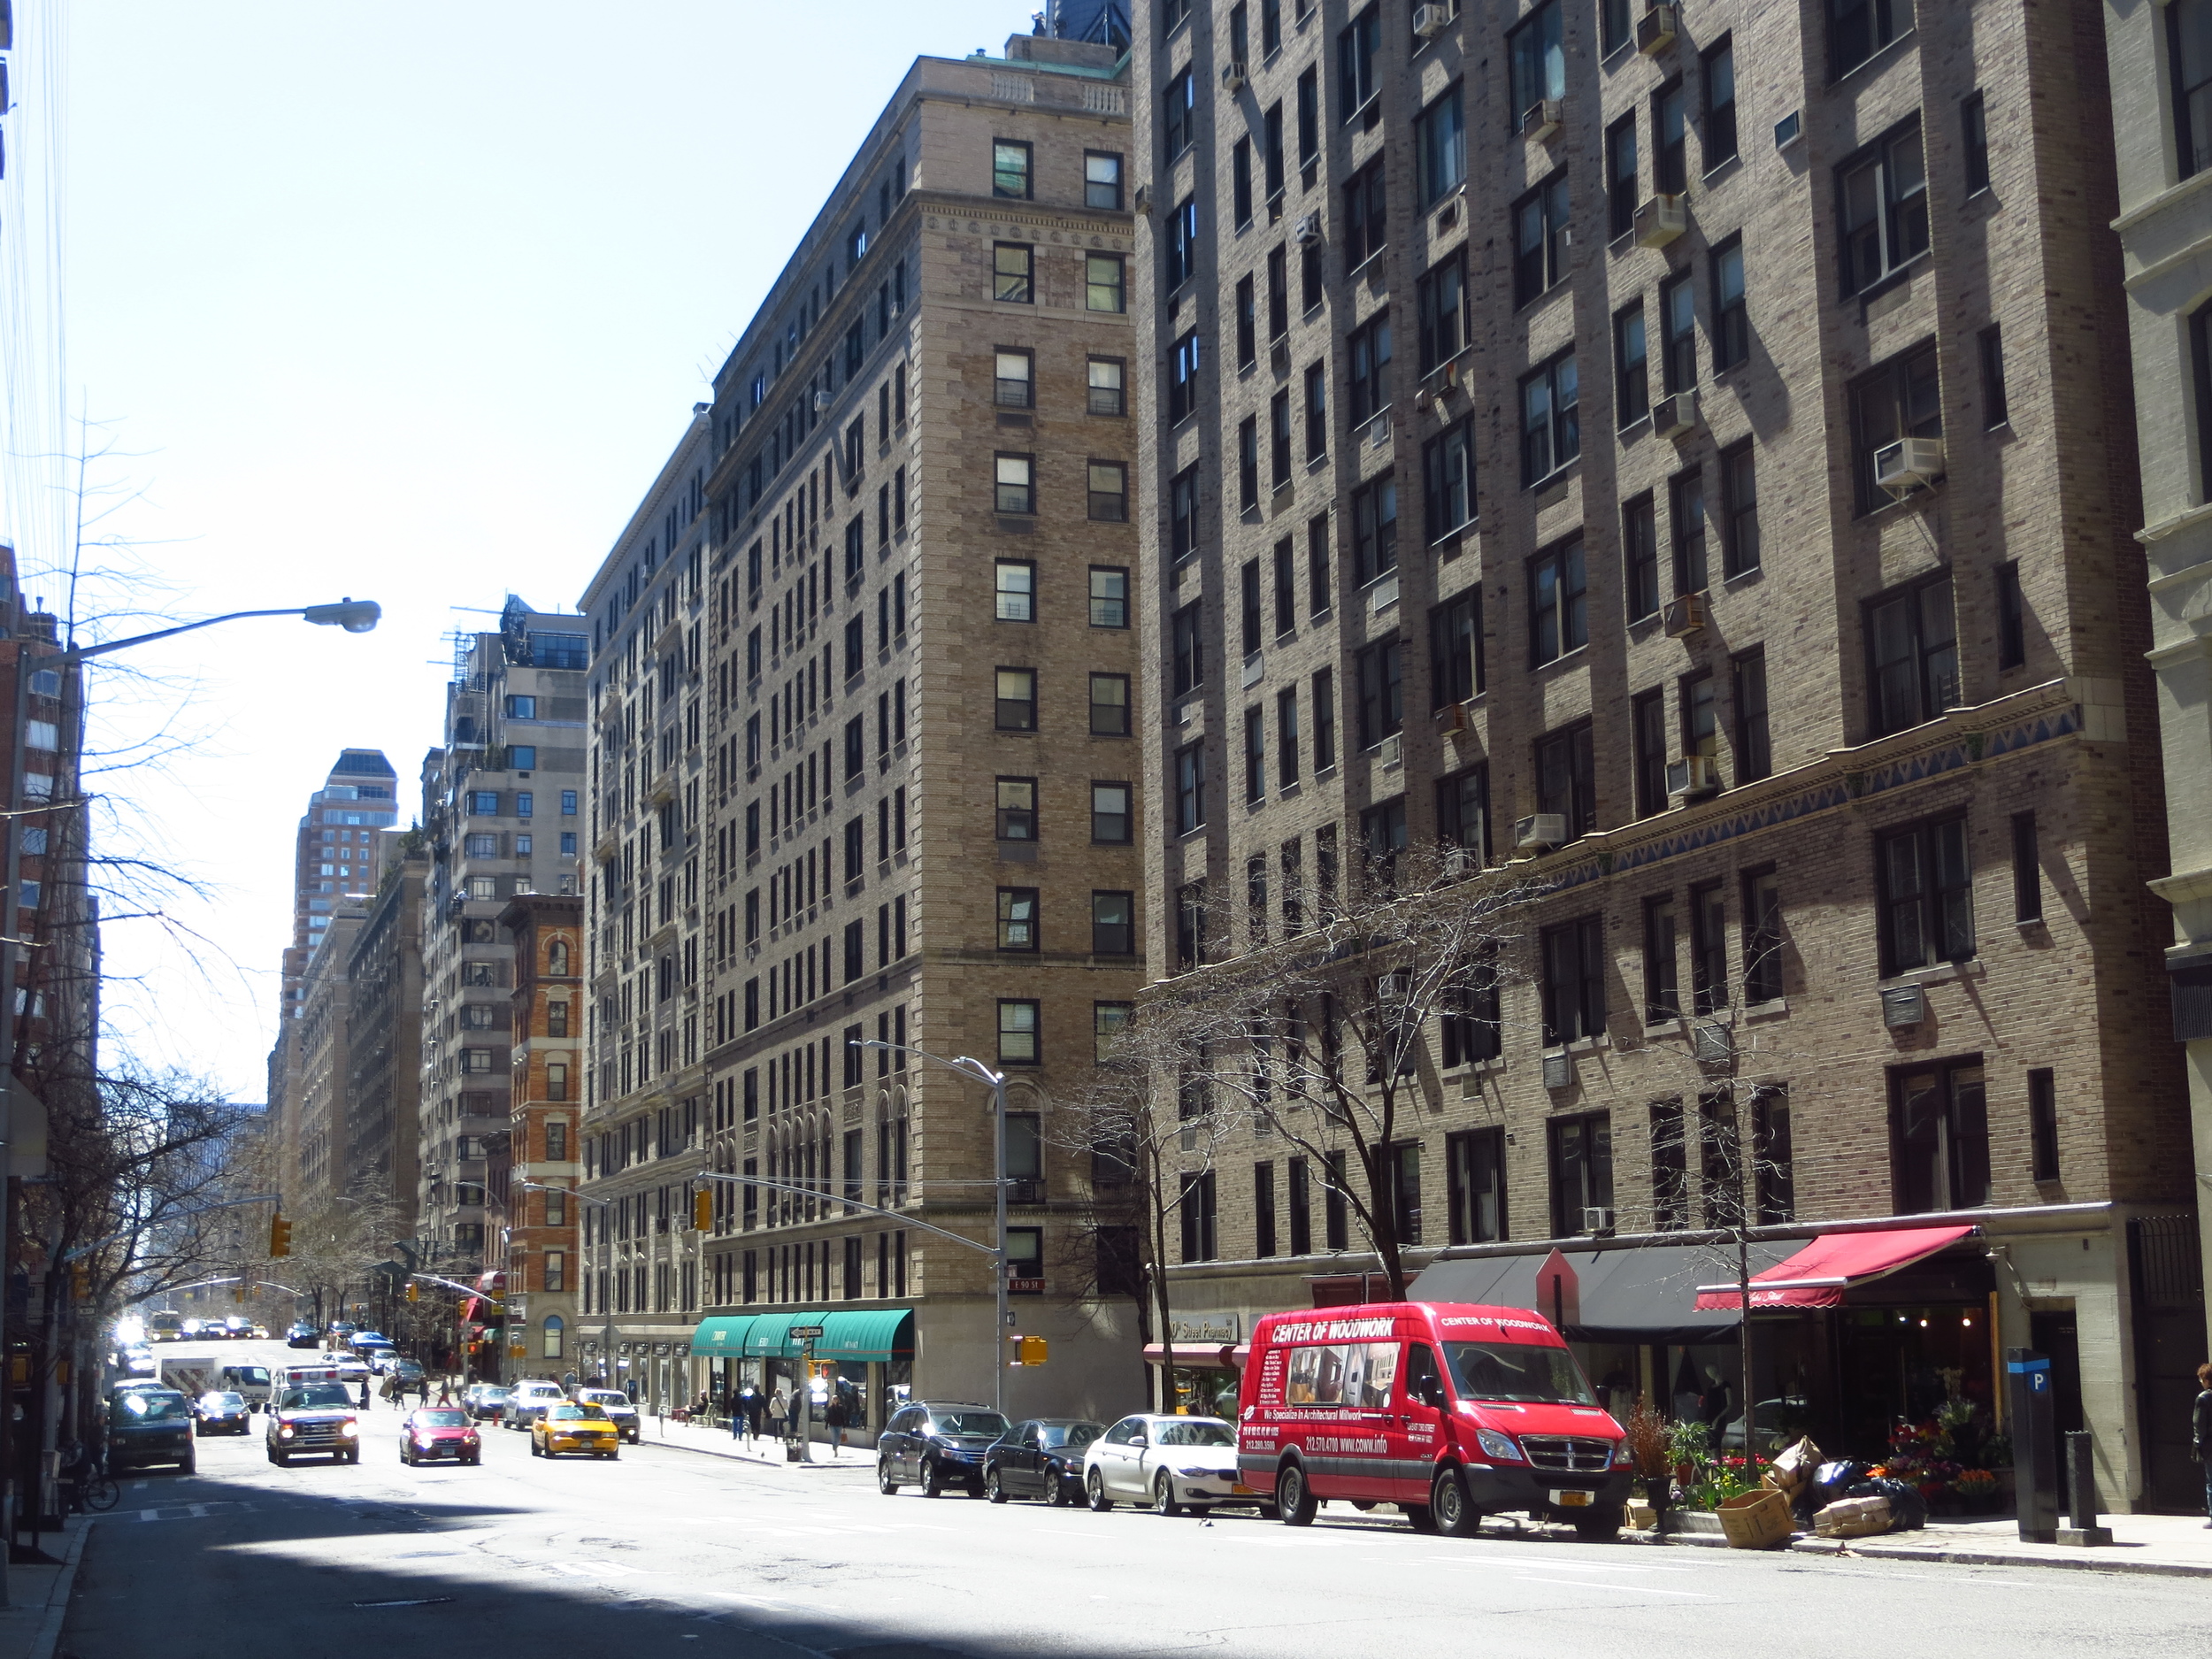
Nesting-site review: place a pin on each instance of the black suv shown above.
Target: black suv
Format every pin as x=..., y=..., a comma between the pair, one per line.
x=937, y=1443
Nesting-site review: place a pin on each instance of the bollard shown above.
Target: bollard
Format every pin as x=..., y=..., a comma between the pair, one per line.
x=2081, y=1492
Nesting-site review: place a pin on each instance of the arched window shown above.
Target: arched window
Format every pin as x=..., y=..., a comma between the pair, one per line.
x=557, y=959
x=555, y=1329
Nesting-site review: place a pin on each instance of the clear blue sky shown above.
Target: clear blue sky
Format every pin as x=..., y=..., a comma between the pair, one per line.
x=406, y=302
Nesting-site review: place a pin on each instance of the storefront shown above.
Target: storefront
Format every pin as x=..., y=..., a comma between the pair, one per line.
x=863, y=1357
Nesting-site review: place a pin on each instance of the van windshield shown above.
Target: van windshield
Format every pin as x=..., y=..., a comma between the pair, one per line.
x=251, y=1374
x=1516, y=1372
x=1196, y=1435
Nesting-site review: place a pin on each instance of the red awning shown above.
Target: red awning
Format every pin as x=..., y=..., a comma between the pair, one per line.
x=1818, y=1276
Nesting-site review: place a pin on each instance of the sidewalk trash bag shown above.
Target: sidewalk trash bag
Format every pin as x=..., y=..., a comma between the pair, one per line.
x=1853, y=1517
x=1908, y=1509
x=1832, y=1481
x=1755, y=1520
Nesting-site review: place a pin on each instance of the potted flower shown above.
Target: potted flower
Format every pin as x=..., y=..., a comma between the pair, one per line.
x=1976, y=1491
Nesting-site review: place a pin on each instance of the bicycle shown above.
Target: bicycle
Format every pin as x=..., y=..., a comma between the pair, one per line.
x=92, y=1490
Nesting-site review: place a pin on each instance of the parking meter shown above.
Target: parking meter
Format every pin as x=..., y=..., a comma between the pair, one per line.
x=2034, y=1442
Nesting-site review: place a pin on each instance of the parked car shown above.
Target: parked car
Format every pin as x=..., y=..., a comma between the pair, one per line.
x=618, y=1406
x=430, y=1432
x=526, y=1401
x=566, y=1427
x=301, y=1334
x=1041, y=1458
x=934, y=1444
x=1170, y=1462
x=221, y=1412
x=484, y=1400
x=315, y=1418
x=150, y=1425
x=139, y=1362
x=405, y=1369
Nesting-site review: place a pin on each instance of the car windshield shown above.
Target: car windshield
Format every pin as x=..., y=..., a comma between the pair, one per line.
x=604, y=1397
x=316, y=1396
x=572, y=1414
x=1073, y=1435
x=150, y=1408
x=1517, y=1372
x=1196, y=1435
x=492, y=1393
x=220, y=1402
x=982, y=1423
x=251, y=1374
x=441, y=1419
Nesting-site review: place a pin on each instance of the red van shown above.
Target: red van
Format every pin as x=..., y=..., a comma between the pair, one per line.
x=1449, y=1410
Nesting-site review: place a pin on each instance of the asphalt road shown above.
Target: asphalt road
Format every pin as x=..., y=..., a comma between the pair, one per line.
x=667, y=1548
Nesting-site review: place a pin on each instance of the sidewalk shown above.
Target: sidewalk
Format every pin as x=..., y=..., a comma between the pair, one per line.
x=768, y=1454
x=2180, y=1546
x=39, y=1595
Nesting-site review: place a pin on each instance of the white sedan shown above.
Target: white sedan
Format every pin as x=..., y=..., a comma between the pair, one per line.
x=1170, y=1463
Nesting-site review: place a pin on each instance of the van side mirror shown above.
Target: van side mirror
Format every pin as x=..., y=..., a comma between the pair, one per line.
x=1430, y=1392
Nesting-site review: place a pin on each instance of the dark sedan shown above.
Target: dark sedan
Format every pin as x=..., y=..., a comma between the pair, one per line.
x=1040, y=1458
x=221, y=1412
x=150, y=1425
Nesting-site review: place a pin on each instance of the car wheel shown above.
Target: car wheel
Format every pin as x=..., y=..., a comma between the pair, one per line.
x=933, y=1481
x=1450, y=1509
x=994, y=1487
x=1597, y=1529
x=354, y=1456
x=1055, y=1492
x=614, y=1454
x=535, y=1452
x=283, y=1460
x=1095, y=1493
x=187, y=1465
x=1294, y=1497
x=884, y=1483
x=1163, y=1495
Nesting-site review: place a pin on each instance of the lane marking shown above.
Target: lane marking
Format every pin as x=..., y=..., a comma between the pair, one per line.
x=1626, y=1589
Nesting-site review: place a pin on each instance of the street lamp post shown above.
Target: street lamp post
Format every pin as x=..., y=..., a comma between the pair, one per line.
x=606, y=1350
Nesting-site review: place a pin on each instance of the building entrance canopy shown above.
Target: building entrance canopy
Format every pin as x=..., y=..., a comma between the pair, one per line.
x=855, y=1335
x=1818, y=1276
x=1645, y=1294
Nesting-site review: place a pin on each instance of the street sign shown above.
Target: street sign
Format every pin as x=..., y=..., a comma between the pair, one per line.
x=804, y=1332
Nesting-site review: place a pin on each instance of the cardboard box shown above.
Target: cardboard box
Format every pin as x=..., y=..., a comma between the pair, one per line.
x=1853, y=1517
x=1755, y=1520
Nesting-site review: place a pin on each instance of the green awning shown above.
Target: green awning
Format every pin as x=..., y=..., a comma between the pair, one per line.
x=721, y=1337
x=769, y=1336
x=866, y=1334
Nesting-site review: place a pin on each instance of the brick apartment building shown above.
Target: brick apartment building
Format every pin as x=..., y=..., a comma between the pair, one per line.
x=536, y=1254
x=900, y=690
x=1685, y=452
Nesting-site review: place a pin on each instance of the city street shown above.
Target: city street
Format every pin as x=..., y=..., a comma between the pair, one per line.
x=670, y=1546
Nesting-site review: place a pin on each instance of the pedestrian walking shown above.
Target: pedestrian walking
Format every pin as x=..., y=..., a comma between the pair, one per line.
x=833, y=1420
x=364, y=1393
x=778, y=1413
x=445, y=1391
x=746, y=1412
x=2200, y=1435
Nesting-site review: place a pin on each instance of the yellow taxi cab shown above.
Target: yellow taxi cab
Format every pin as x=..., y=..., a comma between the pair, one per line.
x=570, y=1427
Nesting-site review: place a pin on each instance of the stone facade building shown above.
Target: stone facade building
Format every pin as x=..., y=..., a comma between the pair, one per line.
x=538, y=1257
x=384, y=1034
x=1685, y=454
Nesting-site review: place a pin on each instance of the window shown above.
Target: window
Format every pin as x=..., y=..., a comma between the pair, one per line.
x=1370, y=357
x=2189, y=51
x=1442, y=297
x=1278, y=292
x=1761, y=938
x=1271, y=155
x=1110, y=596
x=1262, y=1210
x=1996, y=412
x=1113, y=924
x=1620, y=176
x=1632, y=371
x=568, y=806
x=1017, y=918
x=1240, y=182
x=1366, y=221
x=1248, y=323
x=1900, y=399
x=1754, y=746
x=1190, y=936
x=1287, y=737
x=1109, y=705
x=1701, y=720
x=1248, y=605
x=1104, y=282
x=1190, y=788
x=1974, y=135
x=1566, y=777
x=480, y=846
x=1308, y=123
x=1182, y=243
x=1110, y=492
x=1581, y=1149
x=1110, y=815
x=1014, y=386
x=1456, y=648
x=1187, y=630
x=1551, y=431
x=1299, y=1193
x=1381, y=700
x=1017, y=1032
x=1858, y=29
x=1927, y=896
x=1355, y=49
x=1540, y=239
x=1686, y=510
x=1009, y=169
x=1709, y=949
x=1774, y=1172
x=1662, y=989
x=1107, y=1022
x=1016, y=486
x=1016, y=582
x=1012, y=263
x=1324, y=720
x=1317, y=411
x=1178, y=109
x=1016, y=707
x=1279, y=441
x=1182, y=377
x=1017, y=810
x=1912, y=657
x=1648, y=728
x=1677, y=327
x=1558, y=616
x=1739, y=510
x=1106, y=390
x=1197, y=1212
x=1882, y=197
x=1719, y=134
x=1536, y=58
x=1639, y=558
x=1439, y=147
x=1249, y=463
x=1102, y=179
x=1448, y=481
x=2042, y=1125
x=2027, y=871
x=1183, y=512
x=1670, y=140
x=1669, y=1168
x=484, y=802
x=1732, y=317
x=1375, y=529
x=1938, y=1134
x=1463, y=811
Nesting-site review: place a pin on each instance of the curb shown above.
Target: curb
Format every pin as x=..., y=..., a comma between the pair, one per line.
x=57, y=1600
x=760, y=1462
x=2089, y=1560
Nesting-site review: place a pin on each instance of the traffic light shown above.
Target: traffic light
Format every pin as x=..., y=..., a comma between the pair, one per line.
x=81, y=1283
x=414, y=1291
x=279, y=1236
x=703, y=1209
x=238, y=1291
x=1028, y=1350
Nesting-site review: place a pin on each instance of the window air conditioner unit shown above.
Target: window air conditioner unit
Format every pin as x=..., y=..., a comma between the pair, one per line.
x=1307, y=231
x=1674, y=416
x=1541, y=118
x=1597, y=1219
x=1903, y=1007
x=1655, y=30
x=1660, y=220
x=1908, y=465
x=1451, y=717
x=1539, y=830
x=1430, y=21
x=821, y=402
x=1461, y=861
x=1683, y=617
x=1691, y=777
x=1713, y=1044
x=1559, y=1069
x=1233, y=76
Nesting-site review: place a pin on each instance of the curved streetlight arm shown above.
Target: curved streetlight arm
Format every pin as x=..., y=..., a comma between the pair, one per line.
x=850, y=1203
x=355, y=616
x=466, y=1290
x=566, y=1191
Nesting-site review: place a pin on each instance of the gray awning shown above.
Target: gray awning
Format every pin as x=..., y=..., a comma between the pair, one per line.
x=1642, y=1294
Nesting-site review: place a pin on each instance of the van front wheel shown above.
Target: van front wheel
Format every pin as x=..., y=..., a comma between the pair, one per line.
x=1450, y=1509
x=1295, y=1498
